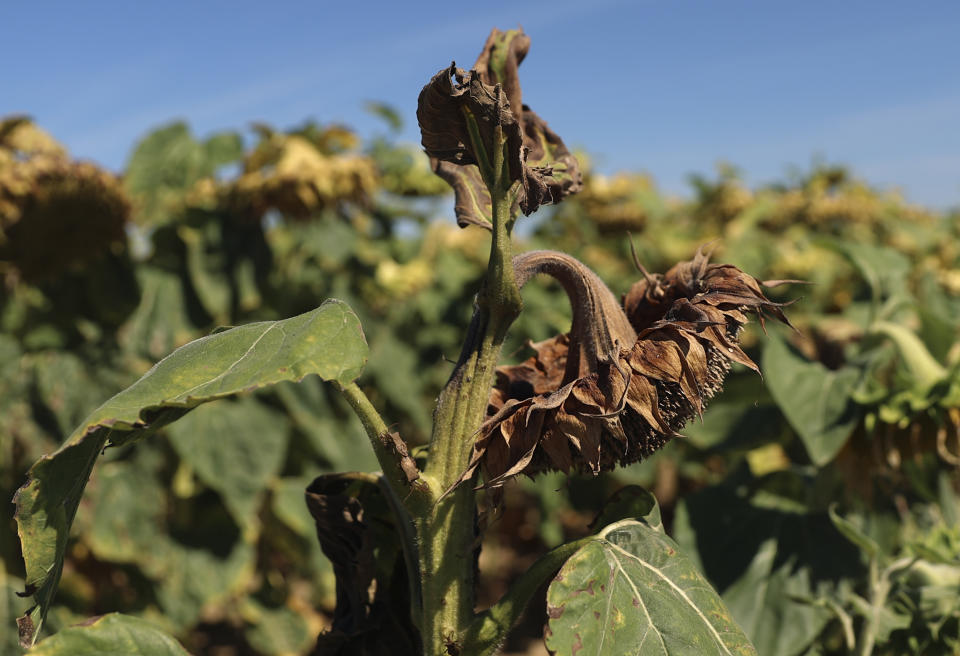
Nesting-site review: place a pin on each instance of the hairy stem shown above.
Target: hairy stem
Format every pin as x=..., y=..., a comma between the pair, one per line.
x=401, y=492
x=399, y=470
x=447, y=530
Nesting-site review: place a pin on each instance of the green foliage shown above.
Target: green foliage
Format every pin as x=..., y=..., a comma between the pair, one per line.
x=327, y=342
x=168, y=162
x=110, y=634
x=820, y=501
x=815, y=400
x=631, y=590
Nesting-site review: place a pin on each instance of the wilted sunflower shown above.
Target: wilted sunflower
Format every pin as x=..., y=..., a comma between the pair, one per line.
x=55, y=213
x=626, y=377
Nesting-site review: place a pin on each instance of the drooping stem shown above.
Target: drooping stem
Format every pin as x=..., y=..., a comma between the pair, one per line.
x=598, y=322
x=448, y=530
x=400, y=483
x=398, y=467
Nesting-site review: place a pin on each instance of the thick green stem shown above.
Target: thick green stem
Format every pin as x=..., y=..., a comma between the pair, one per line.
x=447, y=531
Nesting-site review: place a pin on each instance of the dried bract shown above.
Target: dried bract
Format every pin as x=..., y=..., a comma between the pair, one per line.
x=625, y=378
x=489, y=97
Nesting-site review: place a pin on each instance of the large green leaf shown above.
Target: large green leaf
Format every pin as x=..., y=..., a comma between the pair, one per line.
x=162, y=321
x=110, y=635
x=631, y=591
x=240, y=468
x=815, y=400
x=885, y=270
x=331, y=430
x=191, y=579
x=764, y=601
x=768, y=554
x=327, y=341
x=133, y=529
x=168, y=162
x=66, y=388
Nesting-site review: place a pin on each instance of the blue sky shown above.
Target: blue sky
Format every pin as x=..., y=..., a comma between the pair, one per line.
x=665, y=87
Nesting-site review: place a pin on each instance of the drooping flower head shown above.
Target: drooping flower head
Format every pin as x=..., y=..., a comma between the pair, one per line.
x=626, y=377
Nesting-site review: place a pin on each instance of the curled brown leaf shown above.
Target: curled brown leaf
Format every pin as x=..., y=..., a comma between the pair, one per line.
x=490, y=94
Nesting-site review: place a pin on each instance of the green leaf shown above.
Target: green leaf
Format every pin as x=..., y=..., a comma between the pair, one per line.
x=764, y=550
x=632, y=591
x=743, y=417
x=277, y=630
x=394, y=368
x=168, y=162
x=388, y=113
x=65, y=387
x=885, y=270
x=924, y=369
x=327, y=341
x=328, y=425
x=223, y=148
x=630, y=502
x=162, y=321
x=815, y=400
x=110, y=635
x=132, y=529
x=764, y=602
x=853, y=533
x=191, y=579
x=241, y=467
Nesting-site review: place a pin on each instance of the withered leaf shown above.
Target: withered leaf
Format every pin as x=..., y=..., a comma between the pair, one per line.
x=490, y=94
x=551, y=172
x=498, y=62
x=441, y=112
x=472, y=203
x=357, y=533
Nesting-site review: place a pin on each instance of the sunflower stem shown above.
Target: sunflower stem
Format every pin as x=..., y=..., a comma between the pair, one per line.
x=448, y=529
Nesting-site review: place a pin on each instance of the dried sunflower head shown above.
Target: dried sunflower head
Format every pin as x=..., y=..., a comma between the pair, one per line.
x=56, y=214
x=301, y=174
x=626, y=377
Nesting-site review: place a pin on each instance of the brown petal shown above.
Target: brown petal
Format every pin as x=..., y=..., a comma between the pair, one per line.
x=557, y=448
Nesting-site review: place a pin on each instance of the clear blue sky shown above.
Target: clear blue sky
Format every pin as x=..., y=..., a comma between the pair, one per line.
x=669, y=87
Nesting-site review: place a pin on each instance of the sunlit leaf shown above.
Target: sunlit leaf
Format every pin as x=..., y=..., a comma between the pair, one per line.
x=632, y=591
x=763, y=601
x=327, y=341
x=112, y=634
x=815, y=400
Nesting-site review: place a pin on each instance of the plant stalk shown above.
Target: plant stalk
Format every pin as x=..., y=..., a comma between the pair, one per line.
x=448, y=531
